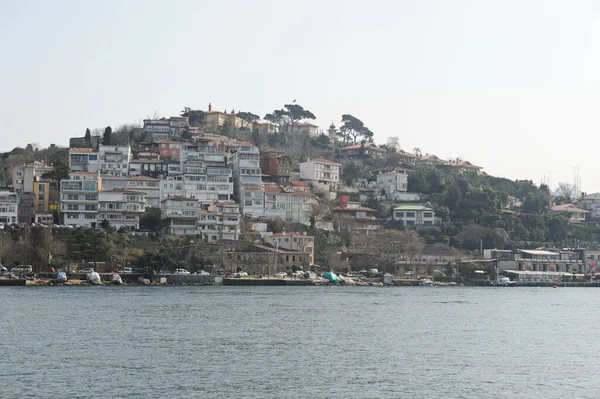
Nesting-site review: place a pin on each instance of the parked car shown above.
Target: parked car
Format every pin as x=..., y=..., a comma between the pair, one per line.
x=409, y=273
x=181, y=271
x=87, y=270
x=127, y=270
x=22, y=269
x=203, y=273
x=241, y=274
x=281, y=275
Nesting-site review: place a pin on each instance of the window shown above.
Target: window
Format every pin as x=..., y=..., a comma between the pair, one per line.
x=42, y=188
x=90, y=217
x=410, y=222
x=41, y=197
x=247, y=202
x=399, y=214
x=427, y=214
x=410, y=214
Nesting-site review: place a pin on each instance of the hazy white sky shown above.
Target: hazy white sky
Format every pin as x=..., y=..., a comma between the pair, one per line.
x=513, y=86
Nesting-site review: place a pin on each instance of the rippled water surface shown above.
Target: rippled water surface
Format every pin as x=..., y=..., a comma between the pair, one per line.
x=302, y=342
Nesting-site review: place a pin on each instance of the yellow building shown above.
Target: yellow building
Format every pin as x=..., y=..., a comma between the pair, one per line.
x=218, y=118
x=41, y=189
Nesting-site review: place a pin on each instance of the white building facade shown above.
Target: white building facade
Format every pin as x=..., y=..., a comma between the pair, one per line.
x=83, y=160
x=181, y=214
x=147, y=185
x=391, y=184
x=79, y=198
x=114, y=160
x=288, y=204
x=9, y=207
x=220, y=221
x=323, y=174
x=121, y=208
x=248, y=185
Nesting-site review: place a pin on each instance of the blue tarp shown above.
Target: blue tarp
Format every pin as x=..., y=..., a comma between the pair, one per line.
x=61, y=276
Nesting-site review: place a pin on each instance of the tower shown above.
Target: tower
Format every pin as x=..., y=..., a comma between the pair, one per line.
x=332, y=132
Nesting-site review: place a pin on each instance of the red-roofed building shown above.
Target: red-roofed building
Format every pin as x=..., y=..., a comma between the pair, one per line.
x=300, y=186
x=576, y=215
x=367, y=150
x=355, y=218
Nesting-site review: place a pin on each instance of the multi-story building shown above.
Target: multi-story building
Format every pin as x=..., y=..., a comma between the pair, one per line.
x=288, y=204
x=114, y=160
x=323, y=174
x=164, y=128
x=169, y=149
x=26, y=208
x=23, y=176
x=9, y=204
x=121, y=208
x=275, y=166
x=416, y=216
x=148, y=167
x=392, y=183
x=248, y=185
x=217, y=118
x=353, y=217
x=305, y=127
x=294, y=241
x=149, y=186
x=83, y=160
x=220, y=221
x=266, y=127
x=79, y=198
x=181, y=214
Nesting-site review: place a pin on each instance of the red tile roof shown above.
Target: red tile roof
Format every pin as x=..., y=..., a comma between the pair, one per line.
x=81, y=150
x=322, y=160
x=359, y=209
x=567, y=208
x=299, y=183
x=370, y=146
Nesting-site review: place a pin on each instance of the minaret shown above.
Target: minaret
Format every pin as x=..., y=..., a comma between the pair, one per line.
x=332, y=131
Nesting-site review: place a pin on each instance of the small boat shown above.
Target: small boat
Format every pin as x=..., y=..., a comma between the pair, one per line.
x=426, y=282
x=504, y=281
x=116, y=279
x=61, y=277
x=94, y=278
x=331, y=276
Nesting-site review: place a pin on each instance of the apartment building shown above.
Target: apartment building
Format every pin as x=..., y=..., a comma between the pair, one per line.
x=323, y=174
x=220, y=221
x=392, y=184
x=248, y=185
x=23, y=176
x=275, y=166
x=83, y=160
x=121, y=208
x=415, y=215
x=149, y=186
x=288, y=204
x=114, y=160
x=181, y=214
x=79, y=198
x=165, y=128
x=9, y=204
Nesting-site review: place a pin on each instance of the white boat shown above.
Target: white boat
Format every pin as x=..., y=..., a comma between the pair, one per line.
x=116, y=279
x=426, y=282
x=504, y=281
x=94, y=278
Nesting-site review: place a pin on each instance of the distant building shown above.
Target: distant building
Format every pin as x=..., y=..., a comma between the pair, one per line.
x=294, y=241
x=275, y=166
x=406, y=158
x=79, y=198
x=83, y=160
x=80, y=142
x=149, y=186
x=114, y=160
x=288, y=204
x=165, y=128
x=353, y=217
x=323, y=174
x=590, y=202
x=576, y=215
x=366, y=150
x=305, y=127
x=24, y=176
x=266, y=127
x=181, y=215
x=392, y=183
x=300, y=186
x=220, y=221
x=217, y=118
x=9, y=204
x=169, y=149
x=121, y=208
x=247, y=179
x=415, y=216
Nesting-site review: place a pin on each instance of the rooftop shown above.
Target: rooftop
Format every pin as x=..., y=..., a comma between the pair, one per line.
x=413, y=207
x=323, y=160
x=568, y=208
x=143, y=178
x=370, y=146
x=81, y=150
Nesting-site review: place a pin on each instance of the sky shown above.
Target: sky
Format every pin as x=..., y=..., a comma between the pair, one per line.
x=510, y=85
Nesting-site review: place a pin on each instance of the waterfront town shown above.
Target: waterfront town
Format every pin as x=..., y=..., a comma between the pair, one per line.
x=226, y=193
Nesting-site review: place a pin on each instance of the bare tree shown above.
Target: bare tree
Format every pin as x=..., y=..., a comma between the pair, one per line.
x=390, y=248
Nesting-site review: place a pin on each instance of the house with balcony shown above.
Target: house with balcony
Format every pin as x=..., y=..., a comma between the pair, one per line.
x=392, y=184
x=294, y=241
x=9, y=204
x=169, y=149
x=247, y=179
x=221, y=221
x=165, y=128
x=416, y=216
x=83, y=160
x=121, y=208
x=148, y=167
x=149, y=186
x=181, y=215
x=288, y=203
x=576, y=215
x=24, y=176
x=322, y=174
x=353, y=217
x=79, y=198
x=275, y=166
x=114, y=160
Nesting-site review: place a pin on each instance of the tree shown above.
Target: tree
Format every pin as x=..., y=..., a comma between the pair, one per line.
x=393, y=143
x=247, y=117
x=288, y=117
x=564, y=193
x=350, y=174
x=88, y=137
x=195, y=116
x=107, y=137
x=60, y=170
x=417, y=151
x=353, y=128
x=256, y=138
x=186, y=135
x=390, y=248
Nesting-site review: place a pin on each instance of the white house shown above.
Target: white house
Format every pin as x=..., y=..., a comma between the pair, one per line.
x=8, y=207
x=323, y=174
x=392, y=183
x=294, y=241
x=83, y=160
x=181, y=214
x=121, y=208
x=220, y=221
x=288, y=203
x=79, y=198
x=114, y=159
x=247, y=179
x=147, y=185
x=415, y=215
